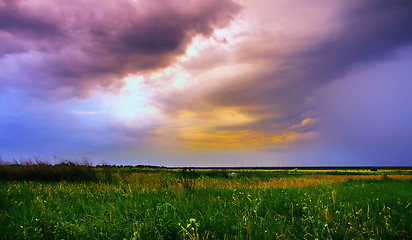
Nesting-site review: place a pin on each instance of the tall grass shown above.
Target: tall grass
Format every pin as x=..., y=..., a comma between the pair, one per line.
x=36, y=169
x=158, y=206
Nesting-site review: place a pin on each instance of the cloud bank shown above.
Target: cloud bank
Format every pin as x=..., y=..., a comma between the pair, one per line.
x=297, y=82
x=64, y=49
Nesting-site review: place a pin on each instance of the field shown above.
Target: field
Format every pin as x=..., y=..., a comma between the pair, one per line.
x=159, y=203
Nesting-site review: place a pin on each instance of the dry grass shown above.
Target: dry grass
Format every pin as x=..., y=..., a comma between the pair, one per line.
x=147, y=182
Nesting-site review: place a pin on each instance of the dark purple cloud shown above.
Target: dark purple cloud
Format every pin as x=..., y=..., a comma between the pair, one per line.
x=81, y=45
x=17, y=19
x=370, y=31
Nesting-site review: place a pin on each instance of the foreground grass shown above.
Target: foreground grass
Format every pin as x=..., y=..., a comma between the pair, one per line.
x=360, y=209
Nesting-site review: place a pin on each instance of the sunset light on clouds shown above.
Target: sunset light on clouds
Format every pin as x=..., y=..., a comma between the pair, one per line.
x=206, y=83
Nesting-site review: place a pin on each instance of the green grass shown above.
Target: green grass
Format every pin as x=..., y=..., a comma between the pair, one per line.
x=154, y=207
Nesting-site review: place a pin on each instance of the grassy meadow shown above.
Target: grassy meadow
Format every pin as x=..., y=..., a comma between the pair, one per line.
x=159, y=203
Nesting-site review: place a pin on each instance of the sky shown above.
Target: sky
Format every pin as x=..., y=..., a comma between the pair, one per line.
x=198, y=83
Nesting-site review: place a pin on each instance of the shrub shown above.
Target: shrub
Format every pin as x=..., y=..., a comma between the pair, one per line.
x=40, y=170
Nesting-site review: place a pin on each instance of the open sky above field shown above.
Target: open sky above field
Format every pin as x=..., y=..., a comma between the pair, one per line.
x=207, y=83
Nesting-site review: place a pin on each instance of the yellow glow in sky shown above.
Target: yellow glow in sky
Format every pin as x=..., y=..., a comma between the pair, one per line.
x=215, y=118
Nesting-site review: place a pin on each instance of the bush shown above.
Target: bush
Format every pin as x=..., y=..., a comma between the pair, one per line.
x=40, y=170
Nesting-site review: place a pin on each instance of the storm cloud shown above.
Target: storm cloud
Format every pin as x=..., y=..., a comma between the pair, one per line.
x=291, y=82
x=285, y=78
x=73, y=47
x=364, y=37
